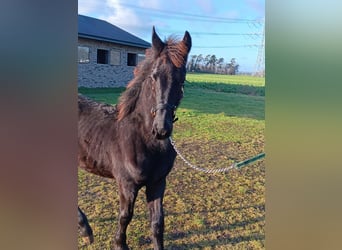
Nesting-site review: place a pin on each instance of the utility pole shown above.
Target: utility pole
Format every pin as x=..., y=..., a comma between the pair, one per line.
x=260, y=62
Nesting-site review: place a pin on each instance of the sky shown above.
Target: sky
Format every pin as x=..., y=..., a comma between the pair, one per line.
x=225, y=28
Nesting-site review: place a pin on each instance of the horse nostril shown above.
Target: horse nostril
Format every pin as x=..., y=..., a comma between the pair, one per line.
x=161, y=129
x=162, y=132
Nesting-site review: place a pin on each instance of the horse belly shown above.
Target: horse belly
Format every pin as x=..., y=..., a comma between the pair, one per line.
x=95, y=167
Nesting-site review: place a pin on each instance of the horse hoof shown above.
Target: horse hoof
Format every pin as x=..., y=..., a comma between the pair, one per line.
x=88, y=240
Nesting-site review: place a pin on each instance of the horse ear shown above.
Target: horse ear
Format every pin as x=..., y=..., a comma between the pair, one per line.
x=157, y=44
x=187, y=40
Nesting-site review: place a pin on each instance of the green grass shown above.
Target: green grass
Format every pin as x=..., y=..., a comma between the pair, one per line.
x=107, y=95
x=216, y=127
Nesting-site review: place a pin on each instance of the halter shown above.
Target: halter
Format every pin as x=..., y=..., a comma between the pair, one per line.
x=165, y=106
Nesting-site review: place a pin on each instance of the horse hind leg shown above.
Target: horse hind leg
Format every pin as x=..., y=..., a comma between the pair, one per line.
x=83, y=225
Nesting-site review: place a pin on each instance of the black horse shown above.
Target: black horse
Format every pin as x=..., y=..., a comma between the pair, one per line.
x=130, y=141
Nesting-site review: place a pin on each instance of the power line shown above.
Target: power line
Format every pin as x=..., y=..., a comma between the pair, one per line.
x=227, y=46
x=177, y=15
x=217, y=33
x=225, y=34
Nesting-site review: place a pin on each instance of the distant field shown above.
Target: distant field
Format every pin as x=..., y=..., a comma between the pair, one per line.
x=218, y=124
x=226, y=79
x=247, y=85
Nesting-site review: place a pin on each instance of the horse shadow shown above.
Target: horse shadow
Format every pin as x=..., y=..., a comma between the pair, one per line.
x=223, y=238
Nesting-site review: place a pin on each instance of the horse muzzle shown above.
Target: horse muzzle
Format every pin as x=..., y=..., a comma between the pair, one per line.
x=163, y=120
x=161, y=130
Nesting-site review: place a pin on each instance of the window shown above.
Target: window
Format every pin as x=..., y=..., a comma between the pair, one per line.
x=115, y=57
x=131, y=59
x=102, y=56
x=83, y=54
x=141, y=57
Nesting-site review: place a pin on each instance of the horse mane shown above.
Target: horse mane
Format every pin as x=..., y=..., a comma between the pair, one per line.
x=174, y=50
x=129, y=97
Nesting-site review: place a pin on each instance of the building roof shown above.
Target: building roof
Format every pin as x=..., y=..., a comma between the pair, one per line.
x=89, y=27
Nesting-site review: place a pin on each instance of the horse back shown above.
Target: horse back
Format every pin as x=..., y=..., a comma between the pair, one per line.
x=96, y=130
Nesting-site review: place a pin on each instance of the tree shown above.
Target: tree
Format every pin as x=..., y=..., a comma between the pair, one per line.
x=191, y=63
x=206, y=62
x=212, y=63
x=232, y=68
x=220, y=64
x=199, y=59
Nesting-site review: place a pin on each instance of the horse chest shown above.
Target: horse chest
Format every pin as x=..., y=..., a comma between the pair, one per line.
x=150, y=169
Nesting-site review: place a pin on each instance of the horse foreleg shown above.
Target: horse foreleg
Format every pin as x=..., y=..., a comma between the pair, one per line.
x=154, y=195
x=86, y=231
x=128, y=194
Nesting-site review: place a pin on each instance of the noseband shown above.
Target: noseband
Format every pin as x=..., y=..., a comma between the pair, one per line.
x=165, y=106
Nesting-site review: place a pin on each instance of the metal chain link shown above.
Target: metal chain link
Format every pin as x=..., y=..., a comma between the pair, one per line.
x=219, y=170
x=207, y=171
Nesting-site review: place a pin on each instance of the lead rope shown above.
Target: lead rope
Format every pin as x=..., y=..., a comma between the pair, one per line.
x=238, y=165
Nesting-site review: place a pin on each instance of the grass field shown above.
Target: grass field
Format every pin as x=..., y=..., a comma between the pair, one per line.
x=221, y=120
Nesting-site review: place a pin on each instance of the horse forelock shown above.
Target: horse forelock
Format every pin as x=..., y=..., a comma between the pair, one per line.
x=177, y=51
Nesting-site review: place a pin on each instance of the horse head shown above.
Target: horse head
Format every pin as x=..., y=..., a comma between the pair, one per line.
x=168, y=77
